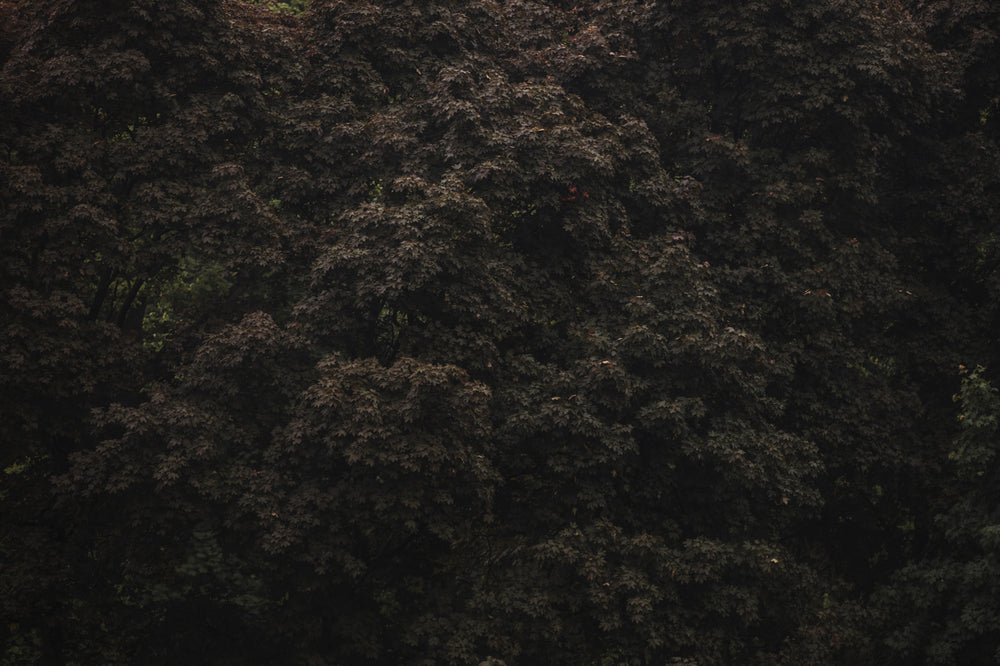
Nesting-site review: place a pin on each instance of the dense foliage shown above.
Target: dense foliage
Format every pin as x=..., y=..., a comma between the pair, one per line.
x=478, y=332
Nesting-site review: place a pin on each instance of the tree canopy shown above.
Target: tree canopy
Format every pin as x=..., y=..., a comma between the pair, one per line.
x=503, y=333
